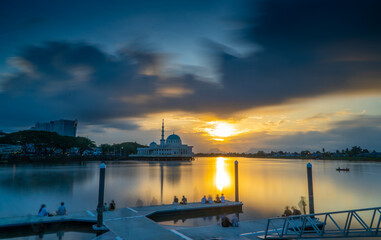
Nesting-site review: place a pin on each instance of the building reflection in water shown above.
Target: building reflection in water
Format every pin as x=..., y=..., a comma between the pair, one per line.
x=222, y=174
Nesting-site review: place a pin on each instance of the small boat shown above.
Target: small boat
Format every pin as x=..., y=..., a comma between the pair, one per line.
x=342, y=169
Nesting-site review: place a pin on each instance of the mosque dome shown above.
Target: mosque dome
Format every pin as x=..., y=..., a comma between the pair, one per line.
x=173, y=139
x=152, y=144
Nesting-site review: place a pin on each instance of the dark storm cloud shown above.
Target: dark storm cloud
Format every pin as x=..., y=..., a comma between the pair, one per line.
x=362, y=130
x=73, y=80
x=307, y=49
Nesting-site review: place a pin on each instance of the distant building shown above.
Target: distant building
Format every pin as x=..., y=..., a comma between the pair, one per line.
x=169, y=149
x=62, y=127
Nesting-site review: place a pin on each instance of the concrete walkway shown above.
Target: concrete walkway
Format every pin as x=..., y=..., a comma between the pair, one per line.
x=246, y=230
x=139, y=228
x=134, y=222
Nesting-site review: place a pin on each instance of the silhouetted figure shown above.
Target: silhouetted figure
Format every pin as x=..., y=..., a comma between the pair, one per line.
x=225, y=222
x=112, y=205
x=203, y=200
x=139, y=203
x=60, y=234
x=222, y=198
x=295, y=211
x=184, y=200
x=42, y=212
x=218, y=200
x=105, y=207
x=61, y=209
x=235, y=221
x=210, y=200
x=40, y=236
x=175, y=200
x=287, y=212
x=302, y=205
x=154, y=201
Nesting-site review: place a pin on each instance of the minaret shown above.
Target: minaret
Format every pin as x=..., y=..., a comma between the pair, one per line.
x=162, y=141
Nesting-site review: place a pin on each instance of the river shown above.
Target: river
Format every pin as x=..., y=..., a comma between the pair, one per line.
x=266, y=186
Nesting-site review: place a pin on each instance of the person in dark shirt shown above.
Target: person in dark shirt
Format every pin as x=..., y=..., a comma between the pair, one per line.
x=184, y=200
x=287, y=212
x=175, y=200
x=225, y=222
x=295, y=211
x=218, y=200
x=112, y=205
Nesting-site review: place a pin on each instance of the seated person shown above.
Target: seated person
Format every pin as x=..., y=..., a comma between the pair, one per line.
x=112, y=205
x=235, y=221
x=203, y=200
x=222, y=198
x=61, y=209
x=210, y=200
x=287, y=212
x=225, y=222
x=218, y=200
x=295, y=211
x=175, y=200
x=42, y=212
x=184, y=200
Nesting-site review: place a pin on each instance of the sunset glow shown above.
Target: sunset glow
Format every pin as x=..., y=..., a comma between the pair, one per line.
x=221, y=130
x=235, y=92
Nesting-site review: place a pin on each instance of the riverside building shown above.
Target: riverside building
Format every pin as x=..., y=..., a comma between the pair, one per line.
x=169, y=149
x=62, y=127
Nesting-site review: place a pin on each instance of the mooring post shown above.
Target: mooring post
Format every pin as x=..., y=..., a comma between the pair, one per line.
x=310, y=188
x=236, y=181
x=102, y=173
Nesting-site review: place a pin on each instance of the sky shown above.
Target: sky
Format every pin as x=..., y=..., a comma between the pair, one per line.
x=232, y=76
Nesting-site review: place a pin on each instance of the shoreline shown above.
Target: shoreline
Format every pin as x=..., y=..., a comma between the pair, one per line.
x=81, y=159
x=286, y=157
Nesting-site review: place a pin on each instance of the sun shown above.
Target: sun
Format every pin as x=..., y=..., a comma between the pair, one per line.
x=221, y=129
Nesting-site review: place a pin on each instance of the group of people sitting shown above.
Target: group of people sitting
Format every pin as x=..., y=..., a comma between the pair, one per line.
x=184, y=200
x=210, y=200
x=110, y=207
x=288, y=212
x=44, y=212
x=62, y=209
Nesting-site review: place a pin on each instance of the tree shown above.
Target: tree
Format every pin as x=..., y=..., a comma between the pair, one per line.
x=261, y=154
x=83, y=144
x=65, y=143
x=305, y=153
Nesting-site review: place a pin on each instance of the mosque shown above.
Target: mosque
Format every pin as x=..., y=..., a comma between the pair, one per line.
x=169, y=149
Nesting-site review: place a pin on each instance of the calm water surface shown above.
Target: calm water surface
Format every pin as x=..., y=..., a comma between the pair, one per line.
x=266, y=185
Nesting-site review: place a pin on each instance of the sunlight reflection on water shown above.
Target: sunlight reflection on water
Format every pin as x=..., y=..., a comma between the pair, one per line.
x=222, y=175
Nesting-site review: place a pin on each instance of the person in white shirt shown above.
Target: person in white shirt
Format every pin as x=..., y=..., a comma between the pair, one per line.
x=42, y=212
x=61, y=209
x=222, y=198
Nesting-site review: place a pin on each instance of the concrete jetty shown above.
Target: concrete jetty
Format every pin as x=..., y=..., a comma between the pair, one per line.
x=123, y=223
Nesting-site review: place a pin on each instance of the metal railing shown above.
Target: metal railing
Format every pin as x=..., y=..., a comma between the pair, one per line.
x=341, y=224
